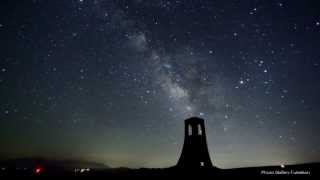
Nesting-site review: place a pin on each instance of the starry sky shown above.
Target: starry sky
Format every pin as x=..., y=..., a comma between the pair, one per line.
x=112, y=81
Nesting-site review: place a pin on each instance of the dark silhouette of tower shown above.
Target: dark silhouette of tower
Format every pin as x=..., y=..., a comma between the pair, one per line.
x=195, y=152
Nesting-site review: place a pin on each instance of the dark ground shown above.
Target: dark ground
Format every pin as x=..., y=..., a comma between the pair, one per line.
x=56, y=169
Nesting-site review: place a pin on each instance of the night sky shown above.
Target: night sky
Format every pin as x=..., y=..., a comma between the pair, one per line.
x=112, y=81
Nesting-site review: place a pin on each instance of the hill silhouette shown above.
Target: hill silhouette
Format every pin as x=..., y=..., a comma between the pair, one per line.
x=26, y=167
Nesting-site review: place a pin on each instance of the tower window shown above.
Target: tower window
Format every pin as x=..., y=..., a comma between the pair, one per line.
x=199, y=130
x=201, y=163
x=189, y=130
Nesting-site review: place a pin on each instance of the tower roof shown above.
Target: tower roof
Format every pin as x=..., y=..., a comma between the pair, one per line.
x=194, y=120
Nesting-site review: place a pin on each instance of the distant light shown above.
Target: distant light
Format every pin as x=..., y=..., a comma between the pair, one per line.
x=38, y=170
x=82, y=170
x=282, y=166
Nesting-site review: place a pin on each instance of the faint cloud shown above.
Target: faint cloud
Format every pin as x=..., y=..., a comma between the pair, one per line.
x=138, y=42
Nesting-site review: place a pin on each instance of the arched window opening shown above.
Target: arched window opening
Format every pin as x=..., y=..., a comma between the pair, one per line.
x=199, y=130
x=189, y=130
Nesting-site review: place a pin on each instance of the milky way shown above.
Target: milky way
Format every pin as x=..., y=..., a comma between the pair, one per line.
x=112, y=81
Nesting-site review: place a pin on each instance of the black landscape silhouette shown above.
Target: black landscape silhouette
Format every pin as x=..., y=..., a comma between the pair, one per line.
x=194, y=161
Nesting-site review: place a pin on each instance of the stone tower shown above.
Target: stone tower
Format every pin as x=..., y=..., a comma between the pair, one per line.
x=195, y=152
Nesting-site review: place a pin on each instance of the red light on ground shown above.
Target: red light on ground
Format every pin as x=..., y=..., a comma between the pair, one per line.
x=38, y=170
